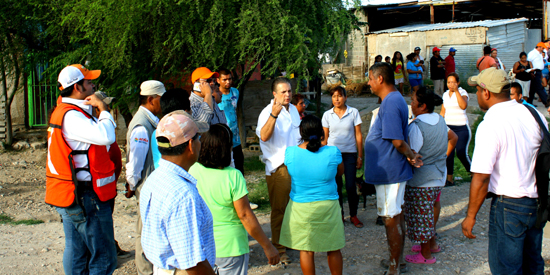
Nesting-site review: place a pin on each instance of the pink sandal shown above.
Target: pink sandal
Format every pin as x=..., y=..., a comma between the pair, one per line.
x=419, y=259
x=418, y=248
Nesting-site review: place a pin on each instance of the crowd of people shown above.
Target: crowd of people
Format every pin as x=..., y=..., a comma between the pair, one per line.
x=186, y=169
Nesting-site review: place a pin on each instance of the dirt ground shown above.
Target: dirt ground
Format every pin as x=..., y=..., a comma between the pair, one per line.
x=26, y=249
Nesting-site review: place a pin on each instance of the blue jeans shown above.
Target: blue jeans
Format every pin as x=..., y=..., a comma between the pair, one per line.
x=89, y=240
x=514, y=243
x=350, y=169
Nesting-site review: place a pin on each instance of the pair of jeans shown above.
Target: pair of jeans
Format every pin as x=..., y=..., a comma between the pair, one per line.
x=464, y=136
x=89, y=237
x=514, y=243
x=350, y=169
x=536, y=87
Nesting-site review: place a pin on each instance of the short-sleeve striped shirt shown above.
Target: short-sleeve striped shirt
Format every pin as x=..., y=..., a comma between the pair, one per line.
x=177, y=224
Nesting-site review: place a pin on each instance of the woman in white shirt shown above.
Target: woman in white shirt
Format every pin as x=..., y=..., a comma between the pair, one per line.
x=455, y=102
x=342, y=128
x=500, y=65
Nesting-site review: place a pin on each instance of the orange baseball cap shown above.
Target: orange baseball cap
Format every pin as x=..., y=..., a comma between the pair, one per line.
x=203, y=73
x=541, y=44
x=74, y=73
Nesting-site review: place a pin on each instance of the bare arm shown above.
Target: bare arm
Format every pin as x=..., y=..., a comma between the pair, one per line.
x=515, y=68
x=442, y=113
x=269, y=126
x=478, y=191
x=340, y=169
x=453, y=139
x=325, y=140
x=206, y=91
x=403, y=148
x=359, y=141
x=462, y=101
x=202, y=268
x=252, y=226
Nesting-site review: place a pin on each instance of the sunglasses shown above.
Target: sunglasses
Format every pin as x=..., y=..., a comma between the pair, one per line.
x=209, y=80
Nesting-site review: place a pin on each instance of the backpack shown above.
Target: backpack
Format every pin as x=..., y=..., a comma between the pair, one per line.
x=542, y=168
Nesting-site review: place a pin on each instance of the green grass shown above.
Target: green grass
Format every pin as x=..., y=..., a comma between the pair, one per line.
x=257, y=189
x=5, y=219
x=253, y=164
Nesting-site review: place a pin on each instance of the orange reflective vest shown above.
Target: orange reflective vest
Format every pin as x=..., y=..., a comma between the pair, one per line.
x=60, y=171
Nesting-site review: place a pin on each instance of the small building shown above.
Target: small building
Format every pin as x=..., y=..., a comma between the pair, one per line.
x=509, y=36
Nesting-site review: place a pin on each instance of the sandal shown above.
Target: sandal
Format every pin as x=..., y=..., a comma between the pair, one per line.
x=419, y=259
x=449, y=183
x=284, y=258
x=385, y=263
x=417, y=248
x=356, y=222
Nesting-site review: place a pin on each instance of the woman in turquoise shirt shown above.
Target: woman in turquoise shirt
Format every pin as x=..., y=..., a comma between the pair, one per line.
x=312, y=221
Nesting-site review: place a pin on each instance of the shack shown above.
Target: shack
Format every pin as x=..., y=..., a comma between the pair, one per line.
x=509, y=36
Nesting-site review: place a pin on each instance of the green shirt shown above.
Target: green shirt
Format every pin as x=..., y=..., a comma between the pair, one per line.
x=219, y=188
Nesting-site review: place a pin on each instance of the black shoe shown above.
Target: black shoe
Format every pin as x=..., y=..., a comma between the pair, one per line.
x=449, y=183
x=121, y=253
x=379, y=221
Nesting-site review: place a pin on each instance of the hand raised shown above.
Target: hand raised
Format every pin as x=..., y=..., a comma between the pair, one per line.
x=276, y=109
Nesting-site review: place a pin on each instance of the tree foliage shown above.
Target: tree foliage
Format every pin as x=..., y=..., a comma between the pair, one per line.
x=132, y=41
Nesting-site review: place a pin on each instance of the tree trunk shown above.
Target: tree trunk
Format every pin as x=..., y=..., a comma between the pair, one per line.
x=240, y=113
x=4, y=87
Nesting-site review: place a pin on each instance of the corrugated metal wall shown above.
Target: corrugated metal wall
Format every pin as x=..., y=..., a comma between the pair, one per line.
x=509, y=40
x=465, y=59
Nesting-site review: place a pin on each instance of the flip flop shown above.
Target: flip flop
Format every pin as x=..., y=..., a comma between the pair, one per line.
x=417, y=248
x=419, y=259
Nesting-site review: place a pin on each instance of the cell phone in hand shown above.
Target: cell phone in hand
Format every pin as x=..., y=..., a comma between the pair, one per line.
x=197, y=87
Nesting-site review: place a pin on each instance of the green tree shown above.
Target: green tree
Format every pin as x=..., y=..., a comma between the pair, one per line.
x=132, y=41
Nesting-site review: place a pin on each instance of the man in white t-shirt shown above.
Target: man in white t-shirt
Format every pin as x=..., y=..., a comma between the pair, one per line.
x=506, y=146
x=278, y=128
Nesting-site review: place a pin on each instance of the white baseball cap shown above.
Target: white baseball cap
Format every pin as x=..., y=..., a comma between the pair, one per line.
x=74, y=73
x=152, y=87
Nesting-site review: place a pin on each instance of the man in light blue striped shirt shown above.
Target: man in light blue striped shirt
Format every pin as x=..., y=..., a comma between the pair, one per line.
x=177, y=229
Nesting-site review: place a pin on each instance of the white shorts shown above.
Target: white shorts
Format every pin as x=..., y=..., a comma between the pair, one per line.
x=390, y=198
x=399, y=80
x=525, y=86
x=438, y=86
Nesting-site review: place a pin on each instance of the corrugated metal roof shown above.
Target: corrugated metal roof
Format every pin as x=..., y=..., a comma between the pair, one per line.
x=447, y=26
x=377, y=3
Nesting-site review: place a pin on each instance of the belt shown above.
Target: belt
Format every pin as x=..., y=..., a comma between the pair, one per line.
x=507, y=197
x=86, y=185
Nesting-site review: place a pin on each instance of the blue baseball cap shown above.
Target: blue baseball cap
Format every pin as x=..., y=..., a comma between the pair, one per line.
x=452, y=49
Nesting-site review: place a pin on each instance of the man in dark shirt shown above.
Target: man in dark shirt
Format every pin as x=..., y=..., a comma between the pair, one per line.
x=437, y=71
x=450, y=62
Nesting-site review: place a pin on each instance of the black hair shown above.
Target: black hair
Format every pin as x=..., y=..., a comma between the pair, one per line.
x=395, y=59
x=216, y=147
x=174, y=99
x=504, y=91
x=517, y=86
x=386, y=58
x=311, y=130
x=378, y=56
x=487, y=50
x=338, y=89
x=385, y=70
x=224, y=71
x=171, y=151
x=428, y=97
x=69, y=90
x=296, y=98
x=278, y=81
x=522, y=54
x=411, y=56
x=455, y=75
x=143, y=99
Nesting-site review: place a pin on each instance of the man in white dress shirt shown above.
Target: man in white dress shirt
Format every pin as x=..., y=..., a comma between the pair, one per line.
x=139, y=161
x=535, y=56
x=278, y=128
x=77, y=142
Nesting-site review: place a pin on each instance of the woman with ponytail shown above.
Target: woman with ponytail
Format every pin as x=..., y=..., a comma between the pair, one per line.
x=433, y=140
x=312, y=221
x=342, y=128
